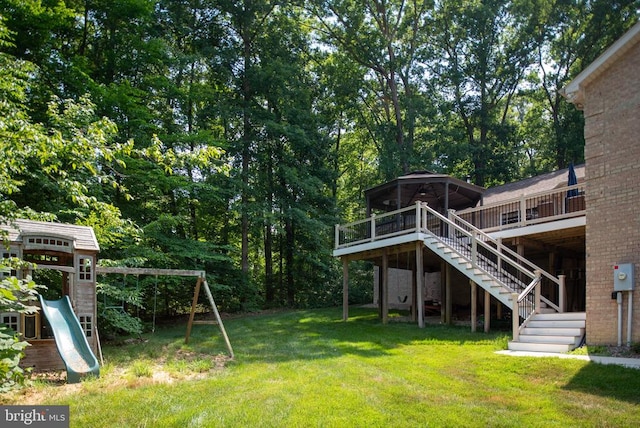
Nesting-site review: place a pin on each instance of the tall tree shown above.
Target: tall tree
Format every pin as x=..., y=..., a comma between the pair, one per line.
x=485, y=50
x=388, y=38
x=570, y=35
x=246, y=25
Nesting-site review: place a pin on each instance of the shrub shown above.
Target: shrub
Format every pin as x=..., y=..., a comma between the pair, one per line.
x=16, y=295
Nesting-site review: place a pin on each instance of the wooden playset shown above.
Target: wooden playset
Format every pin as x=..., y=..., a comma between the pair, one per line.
x=66, y=337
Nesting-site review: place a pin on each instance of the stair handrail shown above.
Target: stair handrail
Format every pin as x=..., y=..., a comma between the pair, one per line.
x=558, y=281
x=475, y=242
x=503, y=248
x=525, y=305
x=530, y=287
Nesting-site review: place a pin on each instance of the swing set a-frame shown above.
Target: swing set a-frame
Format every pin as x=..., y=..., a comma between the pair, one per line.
x=201, y=282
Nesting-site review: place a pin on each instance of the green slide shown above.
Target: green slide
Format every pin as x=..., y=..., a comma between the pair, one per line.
x=70, y=339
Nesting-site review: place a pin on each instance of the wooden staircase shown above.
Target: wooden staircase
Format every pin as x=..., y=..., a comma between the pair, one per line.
x=539, y=327
x=553, y=332
x=496, y=283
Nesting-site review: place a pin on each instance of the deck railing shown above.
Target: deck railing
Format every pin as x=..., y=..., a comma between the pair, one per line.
x=521, y=276
x=542, y=207
x=376, y=227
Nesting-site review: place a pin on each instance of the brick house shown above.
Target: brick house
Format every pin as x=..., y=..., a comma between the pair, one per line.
x=541, y=252
x=608, y=92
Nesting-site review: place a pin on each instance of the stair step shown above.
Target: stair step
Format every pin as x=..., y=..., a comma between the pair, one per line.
x=540, y=347
x=566, y=316
x=489, y=277
x=567, y=340
x=535, y=323
x=553, y=331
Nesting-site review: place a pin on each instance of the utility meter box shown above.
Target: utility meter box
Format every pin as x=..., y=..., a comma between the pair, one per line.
x=623, y=277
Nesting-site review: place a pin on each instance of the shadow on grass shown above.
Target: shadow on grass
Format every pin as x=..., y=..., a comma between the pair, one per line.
x=321, y=334
x=610, y=381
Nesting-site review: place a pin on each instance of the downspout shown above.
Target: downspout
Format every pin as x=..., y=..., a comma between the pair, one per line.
x=629, y=317
x=619, y=302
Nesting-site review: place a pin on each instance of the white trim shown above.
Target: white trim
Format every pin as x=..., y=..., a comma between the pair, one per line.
x=540, y=228
x=573, y=92
x=375, y=245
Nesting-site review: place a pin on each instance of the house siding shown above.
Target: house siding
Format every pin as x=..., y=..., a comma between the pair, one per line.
x=612, y=153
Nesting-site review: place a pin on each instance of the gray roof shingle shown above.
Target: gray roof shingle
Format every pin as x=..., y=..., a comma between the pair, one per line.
x=83, y=236
x=539, y=183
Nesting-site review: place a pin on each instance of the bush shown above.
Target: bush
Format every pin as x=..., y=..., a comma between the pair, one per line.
x=16, y=295
x=11, y=351
x=115, y=320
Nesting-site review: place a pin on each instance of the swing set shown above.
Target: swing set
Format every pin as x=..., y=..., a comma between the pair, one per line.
x=201, y=282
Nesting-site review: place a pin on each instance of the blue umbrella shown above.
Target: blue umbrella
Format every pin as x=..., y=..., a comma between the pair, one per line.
x=572, y=181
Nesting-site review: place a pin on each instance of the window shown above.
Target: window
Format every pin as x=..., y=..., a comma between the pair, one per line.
x=42, y=258
x=510, y=217
x=5, y=273
x=87, y=324
x=85, y=269
x=10, y=320
x=48, y=243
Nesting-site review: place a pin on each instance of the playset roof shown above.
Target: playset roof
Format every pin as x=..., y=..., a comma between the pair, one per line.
x=82, y=236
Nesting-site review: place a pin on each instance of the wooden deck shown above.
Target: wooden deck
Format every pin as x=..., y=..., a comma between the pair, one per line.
x=528, y=210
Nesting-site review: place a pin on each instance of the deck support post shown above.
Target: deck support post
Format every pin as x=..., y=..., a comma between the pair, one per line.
x=443, y=279
x=414, y=291
x=552, y=268
x=384, y=286
x=419, y=279
x=345, y=288
x=487, y=311
x=562, y=293
x=447, y=296
x=474, y=305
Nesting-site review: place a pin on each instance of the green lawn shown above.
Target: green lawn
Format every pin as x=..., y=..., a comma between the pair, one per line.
x=308, y=368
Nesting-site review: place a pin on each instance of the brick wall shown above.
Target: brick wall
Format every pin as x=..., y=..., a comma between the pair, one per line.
x=612, y=153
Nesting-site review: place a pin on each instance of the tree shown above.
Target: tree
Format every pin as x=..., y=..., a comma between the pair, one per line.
x=388, y=39
x=485, y=49
x=570, y=35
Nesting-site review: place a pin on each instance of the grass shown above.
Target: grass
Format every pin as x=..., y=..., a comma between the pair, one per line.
x=308, y=368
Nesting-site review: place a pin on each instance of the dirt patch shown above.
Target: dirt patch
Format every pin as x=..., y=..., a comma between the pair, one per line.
x=45, y=386
x=624, y=351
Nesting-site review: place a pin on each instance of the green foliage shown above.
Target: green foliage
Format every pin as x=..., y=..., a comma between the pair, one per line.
x=113, y=301
x=16, y=295
x=116, y=322
x=11, y=351
x=231, y=136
